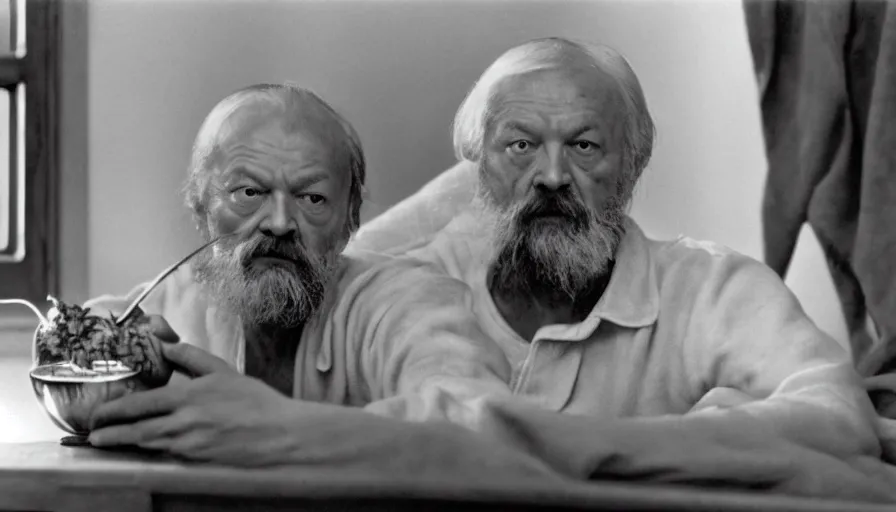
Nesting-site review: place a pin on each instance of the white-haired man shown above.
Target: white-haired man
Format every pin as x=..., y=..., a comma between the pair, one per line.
x=694, y=358
x=279, y=308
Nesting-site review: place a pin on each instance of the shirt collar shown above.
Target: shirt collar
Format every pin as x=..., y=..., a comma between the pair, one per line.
x=319, y=330
x=632, y=296
x=319, y=325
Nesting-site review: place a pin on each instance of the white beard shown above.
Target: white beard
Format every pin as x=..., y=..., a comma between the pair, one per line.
x=284, y=295
x=559, y=256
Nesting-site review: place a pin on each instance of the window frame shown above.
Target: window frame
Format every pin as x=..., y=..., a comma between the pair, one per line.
x=37, y=274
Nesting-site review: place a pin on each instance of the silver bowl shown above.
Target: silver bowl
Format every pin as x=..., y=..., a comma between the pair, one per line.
x=69, y=394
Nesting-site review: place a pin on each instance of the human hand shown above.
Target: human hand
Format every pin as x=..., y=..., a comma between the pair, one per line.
x=142, y=348
x=219, y=416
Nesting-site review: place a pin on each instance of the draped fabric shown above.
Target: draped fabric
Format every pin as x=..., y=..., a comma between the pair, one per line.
x=827, y=80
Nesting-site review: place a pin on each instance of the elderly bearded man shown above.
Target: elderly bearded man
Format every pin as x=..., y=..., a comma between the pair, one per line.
x=699, y=362
x=278, y=166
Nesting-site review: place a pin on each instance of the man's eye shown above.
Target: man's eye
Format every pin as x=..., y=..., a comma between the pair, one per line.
x=585, y=146
x=520, y=146
x=247, y=194
x=314, y=199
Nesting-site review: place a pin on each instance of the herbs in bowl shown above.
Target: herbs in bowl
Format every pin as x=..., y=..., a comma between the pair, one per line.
x=81, y=360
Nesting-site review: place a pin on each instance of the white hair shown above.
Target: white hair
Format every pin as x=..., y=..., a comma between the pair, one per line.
x=291, y=100
x=474, y=114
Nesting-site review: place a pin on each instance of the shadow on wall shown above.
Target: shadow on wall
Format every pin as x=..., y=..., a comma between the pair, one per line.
x=398, y=70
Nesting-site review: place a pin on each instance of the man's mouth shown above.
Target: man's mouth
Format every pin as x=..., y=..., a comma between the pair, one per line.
x=550, y=215
x=553, y=219
x=272, y=259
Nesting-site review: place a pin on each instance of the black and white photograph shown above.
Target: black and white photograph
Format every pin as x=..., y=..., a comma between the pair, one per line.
x=473, y=255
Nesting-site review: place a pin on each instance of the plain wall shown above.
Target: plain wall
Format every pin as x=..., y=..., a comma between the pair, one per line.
x=398, y=70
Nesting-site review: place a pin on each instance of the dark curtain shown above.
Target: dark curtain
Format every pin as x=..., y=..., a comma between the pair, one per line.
x=827, y=79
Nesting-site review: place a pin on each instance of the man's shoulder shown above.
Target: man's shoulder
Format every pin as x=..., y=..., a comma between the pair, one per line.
x=387, y=269
x=692, y=251
x=174, y=292
x=704, y=264
x=460, y=247
x=376, y=277
x=453, y=250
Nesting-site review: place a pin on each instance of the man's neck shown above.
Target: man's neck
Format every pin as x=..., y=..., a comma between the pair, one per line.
x=271, y=355
x=528, y=311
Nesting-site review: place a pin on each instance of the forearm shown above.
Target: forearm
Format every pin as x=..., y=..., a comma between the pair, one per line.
x=825, y=408
x=820, y=410
x=454, y=400
x=731, y=448
x=350, y=439
x=666, y=448
x=824, y=418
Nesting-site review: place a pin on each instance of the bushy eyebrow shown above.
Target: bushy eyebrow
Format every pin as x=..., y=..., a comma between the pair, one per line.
x=530, y=130
x=516, y=126
x=300, y=182
x=585, y=129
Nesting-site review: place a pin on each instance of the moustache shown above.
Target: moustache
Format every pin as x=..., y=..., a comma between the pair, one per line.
x=270, y=247
x=554, y=204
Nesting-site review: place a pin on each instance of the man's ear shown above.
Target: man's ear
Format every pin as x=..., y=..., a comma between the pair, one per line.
x=200, y=209
x=200, y=219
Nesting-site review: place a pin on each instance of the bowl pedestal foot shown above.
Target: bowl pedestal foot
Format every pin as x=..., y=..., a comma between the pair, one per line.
x=74, y=441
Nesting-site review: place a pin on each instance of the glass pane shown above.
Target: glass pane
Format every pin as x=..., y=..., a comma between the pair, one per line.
x=6, y=15
x=5, y=199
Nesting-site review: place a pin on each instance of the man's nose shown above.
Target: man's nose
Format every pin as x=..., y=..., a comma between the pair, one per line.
x=552, y=173
x=279, y=222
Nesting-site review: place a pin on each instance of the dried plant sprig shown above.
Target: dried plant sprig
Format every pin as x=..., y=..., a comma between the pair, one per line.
x=69, y=333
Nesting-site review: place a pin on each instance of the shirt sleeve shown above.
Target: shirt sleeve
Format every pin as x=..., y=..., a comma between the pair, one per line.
x=425, y=356
x=105, y=304
x=749, y=333
x=166, y=299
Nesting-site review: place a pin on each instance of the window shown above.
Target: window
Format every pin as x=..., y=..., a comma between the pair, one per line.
x=28, y=147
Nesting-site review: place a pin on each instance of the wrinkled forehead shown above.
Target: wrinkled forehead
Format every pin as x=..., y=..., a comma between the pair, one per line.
x=277, y=123
x=577, y=87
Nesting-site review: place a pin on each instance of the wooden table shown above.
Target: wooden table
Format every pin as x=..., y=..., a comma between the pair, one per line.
x=48, y=477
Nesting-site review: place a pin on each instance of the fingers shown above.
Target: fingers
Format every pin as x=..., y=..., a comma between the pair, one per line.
x=155, y=370
x=162, y=329
x=722, y=397
x=135, y=406
x=154, y=433
x=193, y=360
x=188, y=445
